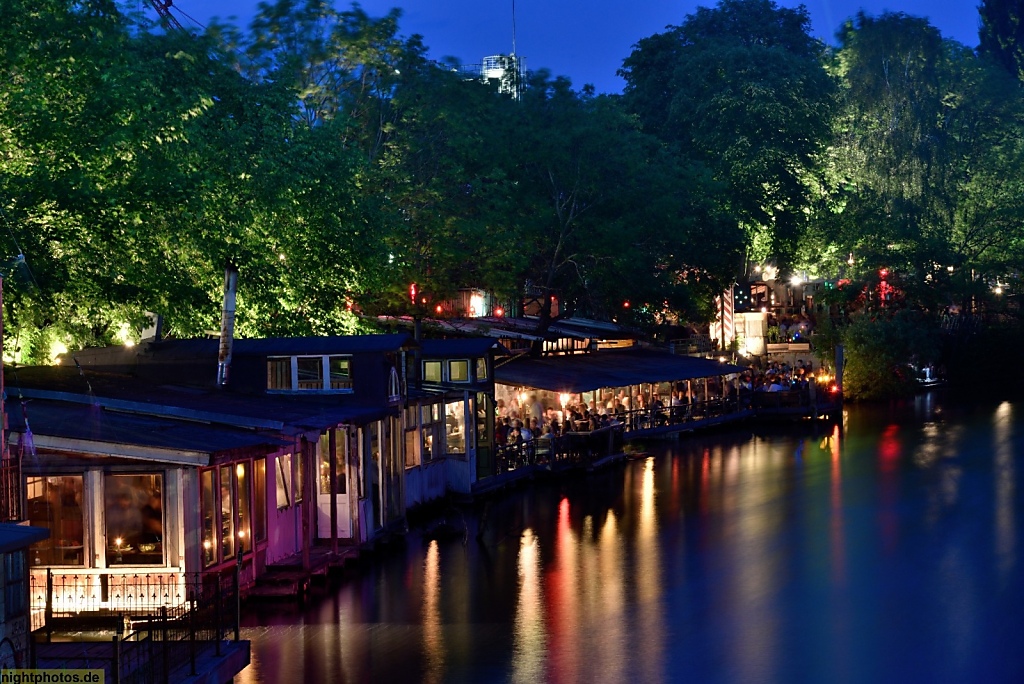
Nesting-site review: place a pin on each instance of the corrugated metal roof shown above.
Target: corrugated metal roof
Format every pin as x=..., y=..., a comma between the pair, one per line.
x=285, y=346
x=93, y=423
x=613, y=368
x=287, y=412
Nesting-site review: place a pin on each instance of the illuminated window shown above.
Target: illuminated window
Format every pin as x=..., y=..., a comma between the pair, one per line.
x=324, y=450
x=259, y=520
x=309, y=373
x=481, y=370
x=432, y=371
x=284, y=481
x=133, y=513
x=244, y=518
x=206, y=505
x=227, y=514
x=458, y=371
x=56, y=503
x=455, y=427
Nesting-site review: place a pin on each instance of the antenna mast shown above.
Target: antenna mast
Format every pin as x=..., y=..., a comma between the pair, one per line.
x=513, y=27
x=163, y=8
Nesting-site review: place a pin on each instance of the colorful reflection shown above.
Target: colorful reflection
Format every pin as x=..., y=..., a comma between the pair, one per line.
x=1005, y=491
x=433, y=635
x=882, y=551
x=529, y=632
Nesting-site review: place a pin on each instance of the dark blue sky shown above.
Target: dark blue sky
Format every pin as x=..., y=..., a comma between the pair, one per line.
x=585, y=40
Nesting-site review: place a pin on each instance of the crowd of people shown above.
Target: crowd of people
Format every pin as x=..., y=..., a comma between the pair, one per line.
x=540, y=415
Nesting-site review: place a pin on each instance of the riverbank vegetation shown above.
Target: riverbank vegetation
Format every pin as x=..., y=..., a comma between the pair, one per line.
x=324, y=154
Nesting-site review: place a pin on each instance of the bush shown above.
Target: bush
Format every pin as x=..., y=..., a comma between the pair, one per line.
x=880, y=349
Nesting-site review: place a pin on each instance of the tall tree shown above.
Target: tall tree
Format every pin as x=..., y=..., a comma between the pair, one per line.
x=924, y=161
x=742, y=89
x=1002, y=33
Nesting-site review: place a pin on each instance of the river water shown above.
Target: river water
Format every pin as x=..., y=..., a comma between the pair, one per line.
x=886, y=548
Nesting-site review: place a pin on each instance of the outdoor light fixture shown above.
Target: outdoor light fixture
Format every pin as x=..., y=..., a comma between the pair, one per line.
x=499, y=312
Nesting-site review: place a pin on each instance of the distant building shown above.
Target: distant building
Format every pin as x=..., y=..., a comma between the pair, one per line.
x=508, y=70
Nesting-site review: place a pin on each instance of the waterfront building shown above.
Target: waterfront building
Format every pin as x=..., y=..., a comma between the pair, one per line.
x=14, y=592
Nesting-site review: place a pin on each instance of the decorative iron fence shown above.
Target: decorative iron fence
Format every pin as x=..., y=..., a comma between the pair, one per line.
x=164, y=620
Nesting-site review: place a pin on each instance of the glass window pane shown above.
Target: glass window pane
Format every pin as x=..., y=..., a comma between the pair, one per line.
x=300, y=478
x=411, y=455
x=279, y=374
x=244, y=521
x=323, y=449
x=259, y=521
x=341, y=372
x=341, y=442
x=458, y=371
x=134, y=519
x=284, y=481
x=432, y=371
x=56, y=503
x=209, y=519
x=227, y=515
x=311, y=372
x=455, y=426
x=481, y=370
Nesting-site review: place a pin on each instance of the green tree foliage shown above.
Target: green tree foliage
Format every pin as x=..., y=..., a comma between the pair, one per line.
x=879, y=351
x=1002, y=34
x=742, y=89
x=924, y=169
x=596, y=199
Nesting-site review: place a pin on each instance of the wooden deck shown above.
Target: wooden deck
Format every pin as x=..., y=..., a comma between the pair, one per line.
x=211, y=668
x=288, y=579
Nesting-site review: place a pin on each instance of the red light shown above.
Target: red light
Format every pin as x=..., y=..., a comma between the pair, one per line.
x=499, y=312
x=884, y=272
x=412, y=292
x=834, y=389
x=625, y=305
x=438, y=309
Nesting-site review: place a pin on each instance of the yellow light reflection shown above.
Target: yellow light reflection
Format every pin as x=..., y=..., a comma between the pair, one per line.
x=650, y=621
x=836, y=530
x=529, y=637
x=566, y=659
x=1005, y=494
x=613, y=638
x=433, y=635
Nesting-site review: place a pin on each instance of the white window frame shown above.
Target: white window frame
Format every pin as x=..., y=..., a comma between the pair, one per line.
x=469, y=371
x=325, y=373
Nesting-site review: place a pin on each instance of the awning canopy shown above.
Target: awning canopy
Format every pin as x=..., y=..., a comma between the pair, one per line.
x=612, y=368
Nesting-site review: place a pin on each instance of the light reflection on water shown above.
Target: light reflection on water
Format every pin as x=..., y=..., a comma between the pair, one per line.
x=884, y=550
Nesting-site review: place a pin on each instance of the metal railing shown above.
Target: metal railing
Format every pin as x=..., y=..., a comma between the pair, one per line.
x=586, y=444
x=172, y=619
